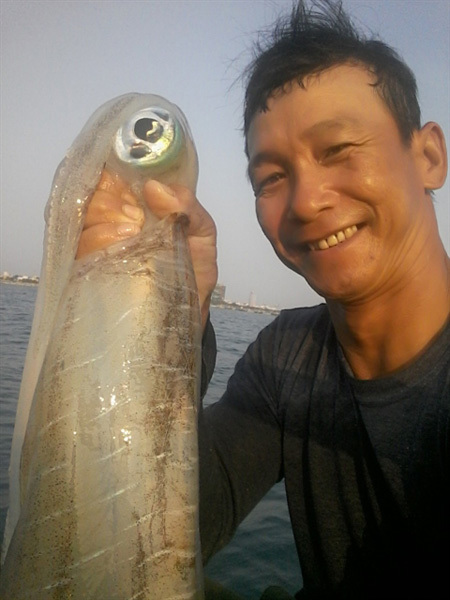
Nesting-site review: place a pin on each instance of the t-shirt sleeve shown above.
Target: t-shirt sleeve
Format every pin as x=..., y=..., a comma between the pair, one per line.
x=209, y=353
x=240, y=445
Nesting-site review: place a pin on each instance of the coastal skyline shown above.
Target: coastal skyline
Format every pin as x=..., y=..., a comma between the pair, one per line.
x=218, y=297
x=62, y=59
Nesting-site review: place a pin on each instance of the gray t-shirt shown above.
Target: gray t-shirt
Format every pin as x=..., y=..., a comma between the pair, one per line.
x=365, y=463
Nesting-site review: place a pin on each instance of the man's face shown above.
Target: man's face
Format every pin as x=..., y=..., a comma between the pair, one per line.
x=338, y=193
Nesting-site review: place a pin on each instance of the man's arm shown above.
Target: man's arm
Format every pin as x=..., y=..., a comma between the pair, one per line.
x=240, y=443
x=209, y=353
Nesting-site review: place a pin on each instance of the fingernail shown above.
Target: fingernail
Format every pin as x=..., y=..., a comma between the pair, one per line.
x=128, y=229
x=159, y=187
x=128, y=197
x=134, y=212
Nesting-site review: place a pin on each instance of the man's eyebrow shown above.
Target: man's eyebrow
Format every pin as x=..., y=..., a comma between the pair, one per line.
x=336, y=124
x=260, y=157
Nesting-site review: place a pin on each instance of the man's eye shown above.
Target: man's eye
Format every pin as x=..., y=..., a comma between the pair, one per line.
x=335, y=150
x=264, y=184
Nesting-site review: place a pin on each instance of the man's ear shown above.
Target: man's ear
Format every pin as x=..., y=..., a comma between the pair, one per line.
x=432, y=155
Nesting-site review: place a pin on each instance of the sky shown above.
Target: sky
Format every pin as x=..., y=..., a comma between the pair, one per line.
x=60, y=60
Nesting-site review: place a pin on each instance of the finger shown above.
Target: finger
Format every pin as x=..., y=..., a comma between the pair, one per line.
x=102, y=235
x=163, y=200
x=113, y=202
x=107, y=207
x=113, y=183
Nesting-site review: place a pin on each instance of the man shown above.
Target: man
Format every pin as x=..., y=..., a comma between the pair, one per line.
x=347, y=401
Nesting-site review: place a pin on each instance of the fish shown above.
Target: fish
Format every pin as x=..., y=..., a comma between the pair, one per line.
x=104, y=459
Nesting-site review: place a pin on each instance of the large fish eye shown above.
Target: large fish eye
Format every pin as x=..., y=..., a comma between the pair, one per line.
x=151, y=137
x=149, y=130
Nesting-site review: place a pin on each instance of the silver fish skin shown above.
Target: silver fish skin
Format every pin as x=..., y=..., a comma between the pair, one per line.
x=104, y=464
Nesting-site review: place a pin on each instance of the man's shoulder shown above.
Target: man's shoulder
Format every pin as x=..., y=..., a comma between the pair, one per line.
x=297, y=328
x=304, y=319
x=304, y=312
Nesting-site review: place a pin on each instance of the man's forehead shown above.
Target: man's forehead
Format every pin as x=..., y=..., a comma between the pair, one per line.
x=339, y=98
x=341, y=123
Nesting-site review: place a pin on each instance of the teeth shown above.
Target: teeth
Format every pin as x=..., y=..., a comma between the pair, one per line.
x=334, y=239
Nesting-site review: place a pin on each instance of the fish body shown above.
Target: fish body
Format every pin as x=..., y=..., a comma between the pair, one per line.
x=104, y=465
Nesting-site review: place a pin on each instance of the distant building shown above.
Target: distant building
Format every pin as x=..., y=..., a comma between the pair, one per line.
x=7, y=278
x=252, y=300
x=218, y=295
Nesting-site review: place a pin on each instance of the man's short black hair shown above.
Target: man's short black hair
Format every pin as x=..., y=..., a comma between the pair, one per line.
x=316, y=37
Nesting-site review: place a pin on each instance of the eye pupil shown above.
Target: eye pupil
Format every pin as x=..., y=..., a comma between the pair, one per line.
x=149, y=130
x=138, y=151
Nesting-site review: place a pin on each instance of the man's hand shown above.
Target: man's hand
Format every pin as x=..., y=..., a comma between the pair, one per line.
x=113, y=214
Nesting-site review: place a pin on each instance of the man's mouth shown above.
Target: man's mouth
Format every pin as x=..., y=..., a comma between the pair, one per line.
x=334, y=239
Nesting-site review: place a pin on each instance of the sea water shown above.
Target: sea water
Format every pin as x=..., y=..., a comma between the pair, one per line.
x=262, y=553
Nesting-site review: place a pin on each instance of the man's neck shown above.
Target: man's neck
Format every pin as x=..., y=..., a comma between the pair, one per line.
x=385, y=334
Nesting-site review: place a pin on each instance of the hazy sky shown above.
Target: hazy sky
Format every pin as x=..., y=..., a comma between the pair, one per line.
x=60, y=60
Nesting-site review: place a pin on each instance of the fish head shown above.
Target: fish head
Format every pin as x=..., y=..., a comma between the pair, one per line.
x=154, y=141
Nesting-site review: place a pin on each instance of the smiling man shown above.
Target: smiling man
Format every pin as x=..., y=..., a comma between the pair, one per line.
x=348, y=401
x=344, y=200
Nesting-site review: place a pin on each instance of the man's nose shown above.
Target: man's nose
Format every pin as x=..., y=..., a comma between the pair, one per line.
x=311, y=192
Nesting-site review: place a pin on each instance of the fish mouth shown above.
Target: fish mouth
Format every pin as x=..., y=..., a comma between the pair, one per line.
x=334, y=239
